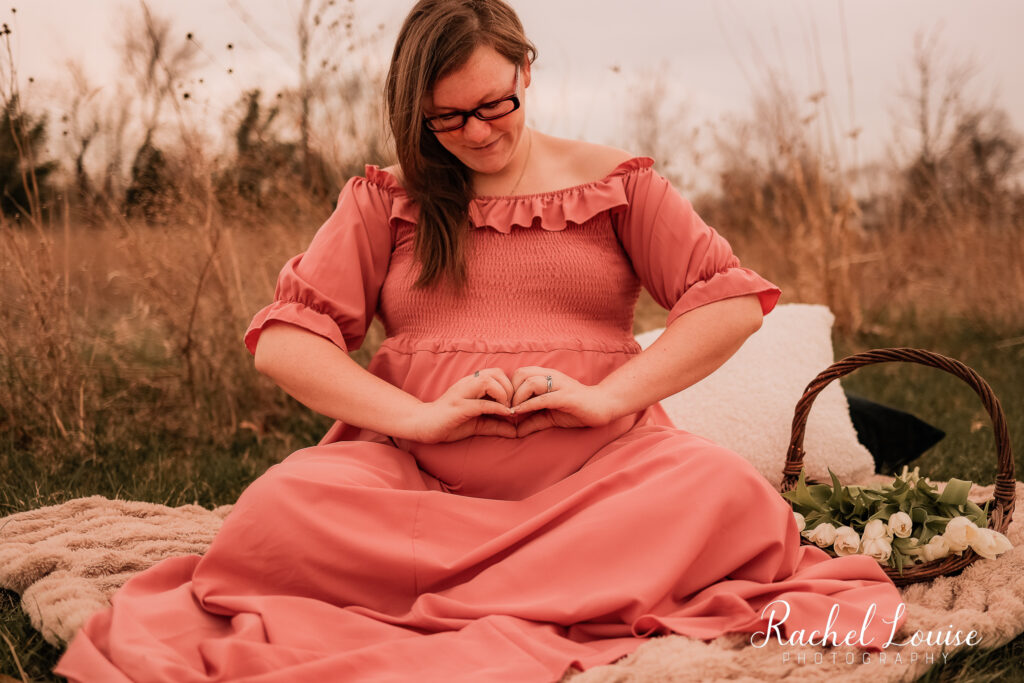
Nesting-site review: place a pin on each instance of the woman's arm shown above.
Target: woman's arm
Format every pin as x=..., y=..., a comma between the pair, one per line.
x=321, y=376
x=713, y=303
x=693, y=346
x=324, y=378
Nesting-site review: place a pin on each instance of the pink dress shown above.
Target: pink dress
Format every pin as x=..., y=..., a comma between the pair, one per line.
x=368, y=558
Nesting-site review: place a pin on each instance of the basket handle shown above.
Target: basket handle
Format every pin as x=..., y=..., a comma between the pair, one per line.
x=1005, y=488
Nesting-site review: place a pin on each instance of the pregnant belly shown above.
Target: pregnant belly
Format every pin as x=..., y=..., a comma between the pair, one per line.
x=496, y=467
x=513, y=468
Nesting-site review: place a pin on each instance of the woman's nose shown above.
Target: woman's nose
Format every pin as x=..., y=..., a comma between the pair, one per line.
x=476, y=130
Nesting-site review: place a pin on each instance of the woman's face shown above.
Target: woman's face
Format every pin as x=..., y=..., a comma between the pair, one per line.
x=484, y=146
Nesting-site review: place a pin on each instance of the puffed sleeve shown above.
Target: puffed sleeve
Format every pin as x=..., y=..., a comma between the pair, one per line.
x=333, y=287
x=683, y=262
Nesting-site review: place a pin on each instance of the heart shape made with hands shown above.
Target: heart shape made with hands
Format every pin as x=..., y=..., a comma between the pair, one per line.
x=569, y=403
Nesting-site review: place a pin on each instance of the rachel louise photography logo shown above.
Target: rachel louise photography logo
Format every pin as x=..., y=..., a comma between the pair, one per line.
x=830, y=637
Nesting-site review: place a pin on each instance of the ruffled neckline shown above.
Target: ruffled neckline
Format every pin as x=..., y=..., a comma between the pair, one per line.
x=555, y=209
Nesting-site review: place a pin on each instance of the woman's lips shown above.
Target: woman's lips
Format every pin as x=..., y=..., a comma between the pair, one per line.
x=486, y=148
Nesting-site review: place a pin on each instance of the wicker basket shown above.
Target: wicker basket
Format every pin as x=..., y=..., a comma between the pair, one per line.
x=1005, y=489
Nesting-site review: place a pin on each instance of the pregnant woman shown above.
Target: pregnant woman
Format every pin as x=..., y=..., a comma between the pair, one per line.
x=501, y=497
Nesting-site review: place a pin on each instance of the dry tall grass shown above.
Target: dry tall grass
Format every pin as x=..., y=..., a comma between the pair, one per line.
x=126, y=290
x=110, y=322
x=936, y=229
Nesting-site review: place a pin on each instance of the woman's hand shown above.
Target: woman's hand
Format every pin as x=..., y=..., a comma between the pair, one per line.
x=569, y=403
x=465, y=410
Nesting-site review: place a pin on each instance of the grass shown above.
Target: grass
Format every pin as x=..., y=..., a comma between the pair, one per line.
x=160, y=466
x=982, y=665
x=968, y=449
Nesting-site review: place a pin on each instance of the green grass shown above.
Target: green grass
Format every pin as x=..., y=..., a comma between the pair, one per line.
x=968, y=449
x=173, y=461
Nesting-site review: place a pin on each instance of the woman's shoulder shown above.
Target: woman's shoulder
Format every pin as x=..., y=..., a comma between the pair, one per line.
x=395, y=171
x=585, y=162
x=593, y=161
x=388, y=180
x=377, y=195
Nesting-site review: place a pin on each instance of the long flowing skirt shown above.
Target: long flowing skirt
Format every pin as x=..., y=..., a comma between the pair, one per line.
x=349, y=562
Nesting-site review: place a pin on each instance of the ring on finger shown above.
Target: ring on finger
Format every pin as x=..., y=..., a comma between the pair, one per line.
x=476, y=374
x=548, y=378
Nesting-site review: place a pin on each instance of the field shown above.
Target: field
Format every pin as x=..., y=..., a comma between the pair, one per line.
x=122, y=370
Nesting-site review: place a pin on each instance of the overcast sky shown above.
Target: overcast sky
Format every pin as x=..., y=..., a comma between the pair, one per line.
x=712, y=54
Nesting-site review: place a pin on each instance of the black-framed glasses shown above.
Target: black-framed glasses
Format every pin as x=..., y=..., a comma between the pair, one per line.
x=485, y=112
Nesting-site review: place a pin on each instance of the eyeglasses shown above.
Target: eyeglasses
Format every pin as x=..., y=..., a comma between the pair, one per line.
x=488, y=111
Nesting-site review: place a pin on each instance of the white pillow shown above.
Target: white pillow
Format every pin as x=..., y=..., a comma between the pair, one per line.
x=747, y=404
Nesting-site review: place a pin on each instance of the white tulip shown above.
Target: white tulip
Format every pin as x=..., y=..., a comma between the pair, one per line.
x=847, y=541
x=935, y=549
x=900, y=525
x=801, y=523
x=959, y=533
x=875, y=529
x=878, y=548
x=989, y=543
x=822, y=535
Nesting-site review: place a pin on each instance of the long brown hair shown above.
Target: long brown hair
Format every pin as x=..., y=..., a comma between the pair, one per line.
x=436, y=39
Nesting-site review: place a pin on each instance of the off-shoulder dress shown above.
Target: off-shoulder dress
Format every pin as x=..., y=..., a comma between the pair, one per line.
x=372, y=558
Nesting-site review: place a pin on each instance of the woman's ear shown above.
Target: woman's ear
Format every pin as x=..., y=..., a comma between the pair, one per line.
x=526, y=73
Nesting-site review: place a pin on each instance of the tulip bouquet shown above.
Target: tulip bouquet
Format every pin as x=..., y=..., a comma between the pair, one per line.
x=902, y=523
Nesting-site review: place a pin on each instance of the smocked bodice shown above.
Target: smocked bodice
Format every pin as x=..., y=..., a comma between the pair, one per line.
x=546, y=269
x=528, y=284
